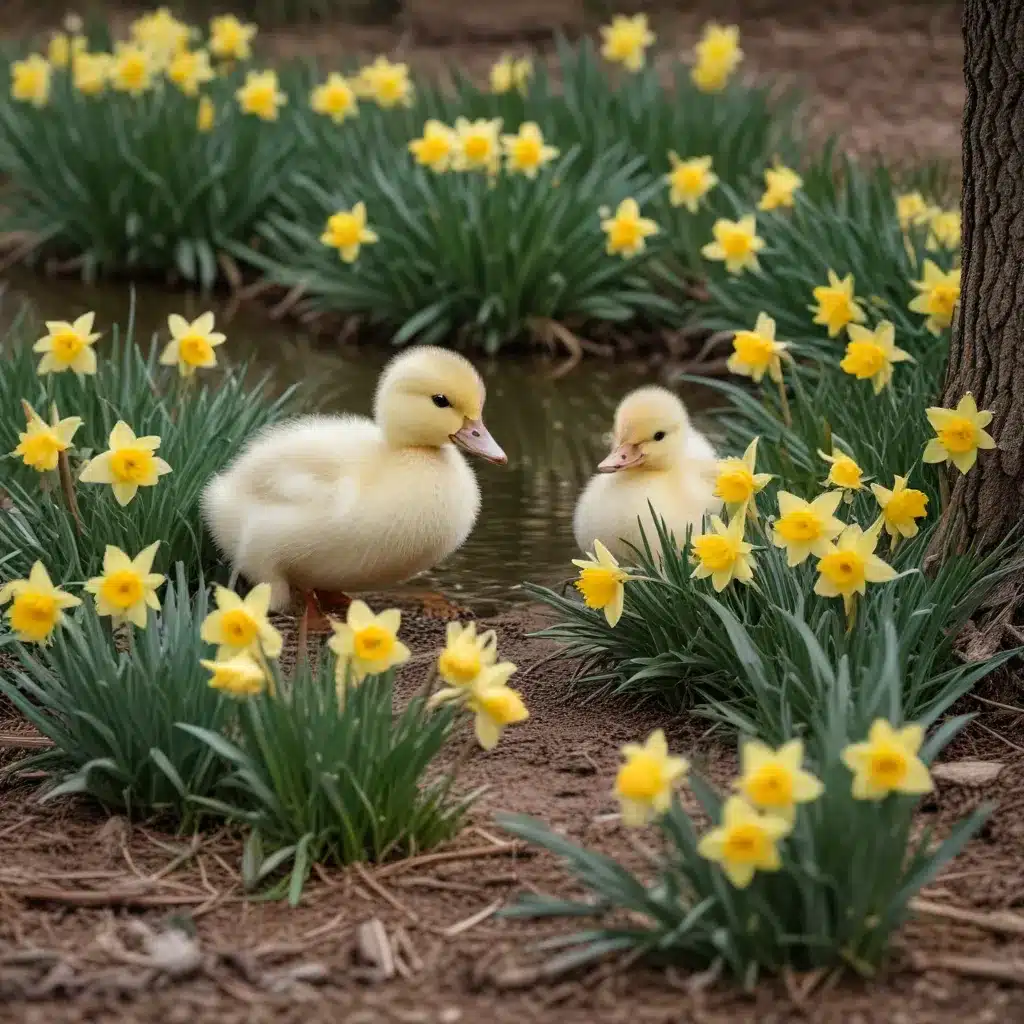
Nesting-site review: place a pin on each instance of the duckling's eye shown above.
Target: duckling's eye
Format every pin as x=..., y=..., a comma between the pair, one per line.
x=660, y=435
x=441, y=402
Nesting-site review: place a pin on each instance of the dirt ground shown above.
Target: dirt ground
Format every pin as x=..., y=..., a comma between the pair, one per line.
x=74, y=885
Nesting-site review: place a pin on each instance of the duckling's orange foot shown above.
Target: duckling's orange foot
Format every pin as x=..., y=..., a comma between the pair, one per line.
x=332, y=603
x=435, y=605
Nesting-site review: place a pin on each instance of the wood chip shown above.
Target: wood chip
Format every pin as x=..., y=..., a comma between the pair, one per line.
x=968, y=773
x=374, y=950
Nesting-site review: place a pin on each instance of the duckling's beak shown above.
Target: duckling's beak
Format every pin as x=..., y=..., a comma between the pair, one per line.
x=623, y=457
x=475, y=438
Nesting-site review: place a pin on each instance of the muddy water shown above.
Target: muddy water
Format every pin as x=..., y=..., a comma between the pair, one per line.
x=553, y=430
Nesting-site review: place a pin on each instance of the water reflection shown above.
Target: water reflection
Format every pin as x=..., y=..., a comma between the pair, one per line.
x=553, y=430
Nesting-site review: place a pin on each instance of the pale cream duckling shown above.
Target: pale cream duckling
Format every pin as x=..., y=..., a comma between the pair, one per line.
x=348, y=504
x=659, y=457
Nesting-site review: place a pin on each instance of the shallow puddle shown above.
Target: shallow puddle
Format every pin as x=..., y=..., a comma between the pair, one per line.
x=553, y=430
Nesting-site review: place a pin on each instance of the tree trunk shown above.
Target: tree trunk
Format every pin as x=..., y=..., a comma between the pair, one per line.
x=987, y=350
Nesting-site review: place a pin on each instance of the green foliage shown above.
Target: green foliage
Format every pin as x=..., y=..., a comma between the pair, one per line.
x=849, y=867
x=678, y=642
x=123, y=184
x=317, y=783
x=201, y=427
x=112, y=714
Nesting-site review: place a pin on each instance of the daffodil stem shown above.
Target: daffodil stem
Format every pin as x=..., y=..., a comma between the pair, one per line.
x=460, y=762
x=67, y=485
x=787, y=417
x=943, y=490
x=893, y=541
x=851, y=613
x=428, y=685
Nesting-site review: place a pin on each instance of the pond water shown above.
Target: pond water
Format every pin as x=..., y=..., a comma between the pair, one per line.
x=554, y=430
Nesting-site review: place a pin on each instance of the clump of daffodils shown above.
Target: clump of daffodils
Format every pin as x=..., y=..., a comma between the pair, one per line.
x=721, y=553
x=781, y=184
x=757, y=352
x=192, y=344
x=938, y=295
x=736, y=244
x=366, y=644
x=127, y=586
x=242, y=626
x=835, y=305
x=40, y=444
x=871, y=355
x=690, y=181
x=261, y=96
x=335, y=98
x=128, y=464
x=347, y=231
x=386, y=84
x=510, y=73
x=959, y=434
x=36, y=606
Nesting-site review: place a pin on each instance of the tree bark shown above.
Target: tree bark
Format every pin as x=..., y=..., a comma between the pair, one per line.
x=987, y=349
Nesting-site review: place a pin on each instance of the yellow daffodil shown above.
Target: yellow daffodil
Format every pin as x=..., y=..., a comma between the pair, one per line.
x=645, y=781
x=835, y=304
x=756, y=352
x=41, y=443
x=627, y=231
x=68, y=346
x=128, y=464
x=944, y=230
x=163, y=35
x=131, y=69
x=231, y=39
x=347, y=232
x=718, y=54
x=37, y=607
x=189, y=70
x=690, y=181
x=888, y=762
x=63, y=49
x=240, y=676
x=806, y=527
x=737, y=482
x=435, y=147
x=939, y=294
x=238, y=626
x=127, y=587
x=334, y=98
x=625, y=41
x=30, y=80
x=736, y=243
x=602, y=583
x=387, y=84
x=366, y=644
x=260, y=95
x=773, y=781
x=850, y=564
x=206, y=114
x=780, y=186
x=843, y=471
x=901, y=507
x=495, y=704
x=723, y=554
x=192, y=344
x=466, y=654
x=745, y=842
x=912, y=209
x=476, y=145
x=526, y=152
x=91, y=72
x=507, y=74
x=960, y=432
x=870, y=355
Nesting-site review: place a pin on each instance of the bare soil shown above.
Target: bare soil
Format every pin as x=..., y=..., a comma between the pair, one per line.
x=75, y=884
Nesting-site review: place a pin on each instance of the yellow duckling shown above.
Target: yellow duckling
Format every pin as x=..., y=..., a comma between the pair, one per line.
x=659, y=457
x=348, y=504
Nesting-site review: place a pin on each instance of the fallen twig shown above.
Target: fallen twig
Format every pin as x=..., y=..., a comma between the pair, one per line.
x=472, y=853
x=23, y=741
x=1001, y=921
x=383, y=893
x=472, y=921
x=1011, y=971
x=107, y=897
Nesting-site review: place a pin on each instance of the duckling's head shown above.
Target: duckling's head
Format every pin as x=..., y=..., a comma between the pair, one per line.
x=429, y=396
x=651, y=425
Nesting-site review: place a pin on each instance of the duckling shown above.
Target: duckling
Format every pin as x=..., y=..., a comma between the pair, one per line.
x=659, y=457
x=345, y=504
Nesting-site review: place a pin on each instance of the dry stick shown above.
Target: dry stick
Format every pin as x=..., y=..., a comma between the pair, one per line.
x=106, y=898
x=999, y=736
x=472, y=921
x=473, y=853
x=1011, y=971
x=383, y=893
x=16, y=741
x=1002, y=922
